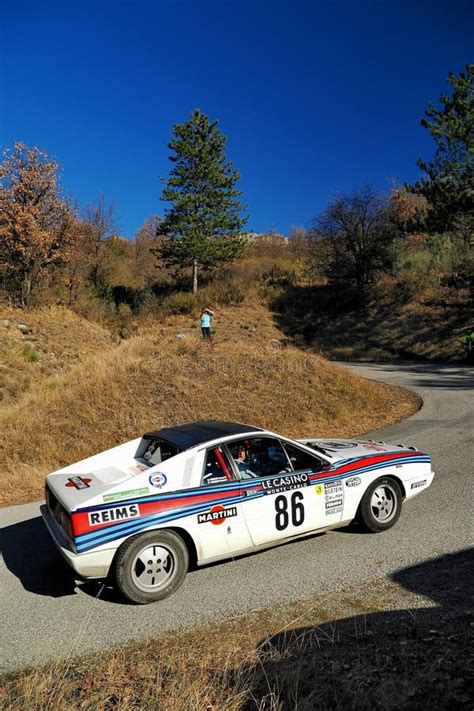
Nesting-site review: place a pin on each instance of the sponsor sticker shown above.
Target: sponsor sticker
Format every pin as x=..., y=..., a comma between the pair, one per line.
x=249, y=492
x=319, y=488
x=120, y=513
x=339, y=445
x=353, y=481
x=372, y=445
x=138, y=469
x=79, y=482
x=158, y=480
x=217, y=515
x=131, y=493
x=333, y=506
x=333, y=487
x=417, y=484
x=274, y=485
x=333, y=497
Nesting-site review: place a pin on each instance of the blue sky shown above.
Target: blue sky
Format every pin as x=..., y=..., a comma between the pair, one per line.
x=316, y=98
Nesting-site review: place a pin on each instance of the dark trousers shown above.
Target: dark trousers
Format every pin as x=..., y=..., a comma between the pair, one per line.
x=206, y=332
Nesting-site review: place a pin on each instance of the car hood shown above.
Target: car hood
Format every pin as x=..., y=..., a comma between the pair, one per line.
x=348, y=449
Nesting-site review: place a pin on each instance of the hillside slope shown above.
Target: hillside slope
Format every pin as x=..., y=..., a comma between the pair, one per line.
x=156, y=379
x=428, y=327
x=35, y=345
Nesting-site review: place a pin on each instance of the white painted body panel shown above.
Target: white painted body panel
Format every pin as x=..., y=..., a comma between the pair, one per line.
x=121, y=498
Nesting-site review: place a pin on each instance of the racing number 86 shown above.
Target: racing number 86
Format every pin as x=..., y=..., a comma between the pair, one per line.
x=282, y=517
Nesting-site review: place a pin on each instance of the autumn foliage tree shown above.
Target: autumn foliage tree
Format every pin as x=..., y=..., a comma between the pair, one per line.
x=408, y=211
x=35, y=221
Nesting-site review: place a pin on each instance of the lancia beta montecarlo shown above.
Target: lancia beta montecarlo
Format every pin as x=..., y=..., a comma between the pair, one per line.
x=206, y=491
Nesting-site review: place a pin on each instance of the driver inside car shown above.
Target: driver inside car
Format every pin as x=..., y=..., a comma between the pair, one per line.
x=240, y=457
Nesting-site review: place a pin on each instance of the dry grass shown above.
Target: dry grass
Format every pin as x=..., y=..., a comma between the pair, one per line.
x=374, y=645
x=56, y=339
x=155, y=379
x=428, y=327
x=162, y=673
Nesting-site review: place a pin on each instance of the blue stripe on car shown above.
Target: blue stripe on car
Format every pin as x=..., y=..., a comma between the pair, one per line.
x=96, y=538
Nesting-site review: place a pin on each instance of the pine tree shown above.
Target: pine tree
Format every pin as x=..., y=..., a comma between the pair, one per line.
x=449, y=185
x=205, y=220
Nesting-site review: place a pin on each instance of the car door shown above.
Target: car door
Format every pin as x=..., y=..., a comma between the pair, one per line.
x=279, y=500
x=218, y=526
x=327, y=502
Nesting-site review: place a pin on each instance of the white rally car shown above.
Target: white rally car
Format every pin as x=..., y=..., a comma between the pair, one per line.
x=206, y=491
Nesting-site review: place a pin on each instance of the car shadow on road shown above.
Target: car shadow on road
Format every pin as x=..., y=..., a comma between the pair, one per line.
x=30, y=555
x=413, y=658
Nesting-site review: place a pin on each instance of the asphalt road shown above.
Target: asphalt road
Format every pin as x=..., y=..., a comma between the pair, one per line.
x=46, y=615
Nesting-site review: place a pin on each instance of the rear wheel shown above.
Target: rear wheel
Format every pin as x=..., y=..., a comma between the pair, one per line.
x=150, y=566
x=381, y=505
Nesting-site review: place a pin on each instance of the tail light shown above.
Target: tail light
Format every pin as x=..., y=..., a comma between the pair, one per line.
x=66, y=523
x=61, y=516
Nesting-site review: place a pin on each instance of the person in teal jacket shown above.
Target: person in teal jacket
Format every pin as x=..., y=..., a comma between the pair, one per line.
x=206, y=315
x=468, y=340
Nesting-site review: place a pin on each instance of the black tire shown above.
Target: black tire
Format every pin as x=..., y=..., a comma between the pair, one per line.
x=150, y=566
x=381, y=505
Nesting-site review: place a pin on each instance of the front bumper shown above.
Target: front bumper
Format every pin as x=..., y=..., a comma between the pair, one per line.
x=415, y=485
x=94, y=564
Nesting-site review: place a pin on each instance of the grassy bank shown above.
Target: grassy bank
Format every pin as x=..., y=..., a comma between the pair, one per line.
x=39, y=344
x=427, y=327
x=155, y=379
x=385, y=644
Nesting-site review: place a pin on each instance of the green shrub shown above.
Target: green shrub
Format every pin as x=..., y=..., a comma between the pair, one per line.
x=442, y=252
x=275, y=294
x=179, y=303
x=229, y=291
x=283, y=273
x=222, y=293
x=415, y=273
x=104, y=290
x=91, y=307
x=30, y=354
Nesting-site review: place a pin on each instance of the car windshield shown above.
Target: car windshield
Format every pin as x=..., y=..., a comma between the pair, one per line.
x=152, y=451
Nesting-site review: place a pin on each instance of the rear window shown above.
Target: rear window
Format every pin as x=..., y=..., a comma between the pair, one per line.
x=153, y=451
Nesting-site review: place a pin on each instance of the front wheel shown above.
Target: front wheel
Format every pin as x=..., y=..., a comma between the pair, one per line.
x=381, y=505
x=150, y=566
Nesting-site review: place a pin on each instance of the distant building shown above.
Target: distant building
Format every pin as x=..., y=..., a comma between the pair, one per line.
x=270, y=238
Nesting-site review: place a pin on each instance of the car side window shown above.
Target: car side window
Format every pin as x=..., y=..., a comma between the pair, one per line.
x=153, y=451
x=259, y=457
x=301, y=460
x=217, y=469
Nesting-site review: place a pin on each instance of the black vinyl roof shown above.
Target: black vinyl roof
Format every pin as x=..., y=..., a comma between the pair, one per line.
x=193, y=433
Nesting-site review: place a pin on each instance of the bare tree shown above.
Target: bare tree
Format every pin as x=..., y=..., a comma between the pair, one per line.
x=100, y=223
x=147, y=243
x=356, y=237
x=298, y=241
